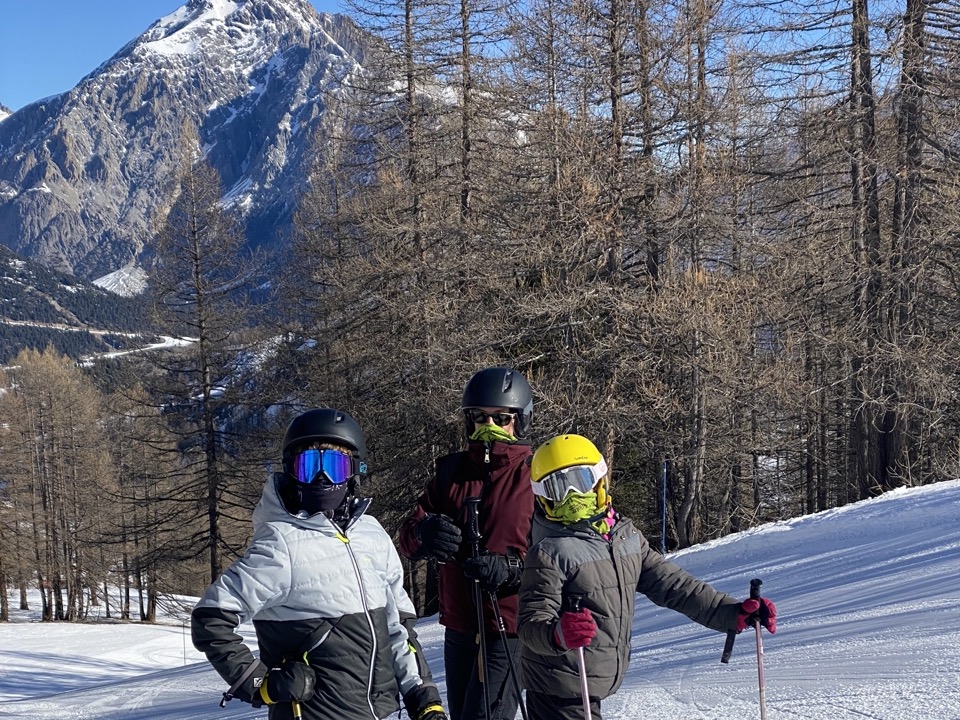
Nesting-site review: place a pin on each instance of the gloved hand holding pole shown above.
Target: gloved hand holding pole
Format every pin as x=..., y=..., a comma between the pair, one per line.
x=755, y=595
x=573, y=606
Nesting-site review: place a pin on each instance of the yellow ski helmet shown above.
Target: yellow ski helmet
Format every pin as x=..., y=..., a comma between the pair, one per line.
x=564, y=464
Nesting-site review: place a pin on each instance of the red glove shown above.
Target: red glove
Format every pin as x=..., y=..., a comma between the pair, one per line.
x=576, y=630
x=763, y=610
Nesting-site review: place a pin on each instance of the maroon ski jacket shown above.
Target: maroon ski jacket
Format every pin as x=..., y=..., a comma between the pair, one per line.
x=499, y=474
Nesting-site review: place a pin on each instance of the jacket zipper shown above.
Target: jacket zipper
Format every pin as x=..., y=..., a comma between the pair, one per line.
x=366, y=614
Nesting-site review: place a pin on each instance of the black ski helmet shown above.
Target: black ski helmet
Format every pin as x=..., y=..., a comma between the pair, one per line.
x=324, y=424
x=318, y=426
x=500, y=387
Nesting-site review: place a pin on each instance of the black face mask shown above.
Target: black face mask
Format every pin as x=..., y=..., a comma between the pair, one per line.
x=321, y=497
x=312, y=499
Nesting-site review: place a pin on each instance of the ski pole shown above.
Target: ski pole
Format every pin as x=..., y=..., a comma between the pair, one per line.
x=510, y=666
x=573, y=606
x=755, y=595
x=473, y=532
x=295, y=706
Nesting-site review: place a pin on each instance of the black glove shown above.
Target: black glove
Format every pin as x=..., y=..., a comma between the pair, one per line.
x=423, y=703
x=291, y=681
x=438, y=536
x=494, y=571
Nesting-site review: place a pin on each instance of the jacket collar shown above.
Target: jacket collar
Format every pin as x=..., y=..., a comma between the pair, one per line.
x=544, y=527
x=500, y=452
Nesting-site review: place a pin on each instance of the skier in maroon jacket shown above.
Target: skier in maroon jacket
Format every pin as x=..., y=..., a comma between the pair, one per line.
x=497, y=408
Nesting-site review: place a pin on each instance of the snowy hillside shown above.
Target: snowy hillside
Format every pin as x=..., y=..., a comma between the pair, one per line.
x=869, y=603
x=128, y=281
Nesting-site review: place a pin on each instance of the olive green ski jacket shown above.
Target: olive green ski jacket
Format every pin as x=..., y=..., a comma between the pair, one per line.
x=606, y=574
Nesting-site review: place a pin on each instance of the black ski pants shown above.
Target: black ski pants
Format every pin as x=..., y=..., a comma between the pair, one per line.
x=464, y=692
x=544, y=706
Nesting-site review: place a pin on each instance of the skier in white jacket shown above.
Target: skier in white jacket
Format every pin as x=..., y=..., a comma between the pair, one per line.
x=323, y=585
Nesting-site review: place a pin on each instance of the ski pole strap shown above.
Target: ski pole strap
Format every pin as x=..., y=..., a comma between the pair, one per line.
x=228, y=695
x=728, y=646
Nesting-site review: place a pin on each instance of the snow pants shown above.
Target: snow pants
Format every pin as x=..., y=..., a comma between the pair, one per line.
x=543, y=706
x=464, y=692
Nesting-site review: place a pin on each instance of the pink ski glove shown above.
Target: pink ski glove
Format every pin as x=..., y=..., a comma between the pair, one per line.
x=762, y=609
x=576, y=630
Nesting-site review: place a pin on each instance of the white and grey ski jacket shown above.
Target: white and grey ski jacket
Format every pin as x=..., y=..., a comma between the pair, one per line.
x=313, y=591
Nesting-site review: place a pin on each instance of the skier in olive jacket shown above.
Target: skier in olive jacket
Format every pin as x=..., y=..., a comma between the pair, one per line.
x=497, y=406
x=582, y=548
x=323, y=585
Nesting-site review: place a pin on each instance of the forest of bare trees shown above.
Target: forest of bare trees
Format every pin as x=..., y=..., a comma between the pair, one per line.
x=718, y=237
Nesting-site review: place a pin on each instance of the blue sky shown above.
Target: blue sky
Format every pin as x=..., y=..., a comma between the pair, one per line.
x=47, y=46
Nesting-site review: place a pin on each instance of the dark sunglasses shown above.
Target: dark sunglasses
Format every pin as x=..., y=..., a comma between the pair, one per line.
x=478, y=416
x=331, y=465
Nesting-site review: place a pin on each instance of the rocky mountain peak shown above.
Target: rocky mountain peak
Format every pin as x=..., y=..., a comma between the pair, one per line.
x=86, y=176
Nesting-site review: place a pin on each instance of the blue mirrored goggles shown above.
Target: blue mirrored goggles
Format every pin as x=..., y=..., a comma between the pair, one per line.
x=331, y=466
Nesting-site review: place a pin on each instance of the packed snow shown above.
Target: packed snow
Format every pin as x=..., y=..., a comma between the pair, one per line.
x=128, y=281
x=869, y=627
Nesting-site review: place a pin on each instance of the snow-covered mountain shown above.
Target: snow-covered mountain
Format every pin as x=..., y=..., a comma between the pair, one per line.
x=5, y=112
x=86, y=175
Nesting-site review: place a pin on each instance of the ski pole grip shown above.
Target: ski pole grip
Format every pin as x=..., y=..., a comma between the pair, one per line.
x=572, y=603
x=755, y=588
x=473, y=524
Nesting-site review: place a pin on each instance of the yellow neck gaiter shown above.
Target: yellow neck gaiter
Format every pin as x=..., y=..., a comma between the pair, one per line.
x=576, y=507
x=491, y=433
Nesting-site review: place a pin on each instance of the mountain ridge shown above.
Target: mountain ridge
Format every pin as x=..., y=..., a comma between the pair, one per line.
x=86, y=176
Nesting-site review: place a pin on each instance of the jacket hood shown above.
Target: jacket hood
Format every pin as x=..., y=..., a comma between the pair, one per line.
x=271, y=509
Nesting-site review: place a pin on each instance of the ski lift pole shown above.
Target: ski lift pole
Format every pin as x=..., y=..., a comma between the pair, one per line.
x=755, y=595
x=473, y=535
x=663, y=510
x=572, y=605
